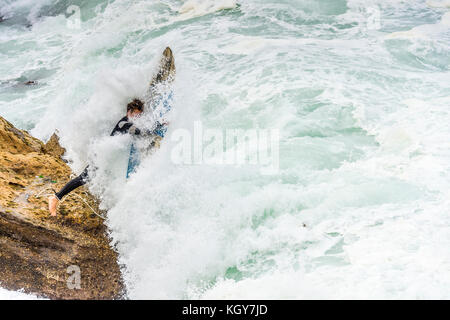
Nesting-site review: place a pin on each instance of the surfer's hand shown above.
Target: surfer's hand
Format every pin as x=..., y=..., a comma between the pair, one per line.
x=134, y=130
x=160, y=125
x=148, y=133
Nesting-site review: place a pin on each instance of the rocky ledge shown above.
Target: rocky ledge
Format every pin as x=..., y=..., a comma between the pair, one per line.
x=67, y=257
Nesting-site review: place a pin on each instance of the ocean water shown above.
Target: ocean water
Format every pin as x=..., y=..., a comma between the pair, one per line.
x=359, y=92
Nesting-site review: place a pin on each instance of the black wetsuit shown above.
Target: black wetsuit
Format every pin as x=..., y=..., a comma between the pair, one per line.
x=123, y=126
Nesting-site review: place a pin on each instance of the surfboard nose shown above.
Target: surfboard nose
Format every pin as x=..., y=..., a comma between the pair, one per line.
x=166, y=71
x=169, y=64
x=168, y=52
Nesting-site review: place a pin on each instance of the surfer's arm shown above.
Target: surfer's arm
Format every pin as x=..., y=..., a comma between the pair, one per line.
x=125, y=126
x=134, y=130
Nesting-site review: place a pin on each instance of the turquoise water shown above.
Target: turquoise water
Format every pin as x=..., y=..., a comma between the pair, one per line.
x=360, y=94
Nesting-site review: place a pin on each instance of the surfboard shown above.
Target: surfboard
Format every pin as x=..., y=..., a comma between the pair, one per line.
x=158, y=100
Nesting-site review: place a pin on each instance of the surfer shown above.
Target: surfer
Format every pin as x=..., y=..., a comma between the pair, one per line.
x=135, y=108
x=125, y=125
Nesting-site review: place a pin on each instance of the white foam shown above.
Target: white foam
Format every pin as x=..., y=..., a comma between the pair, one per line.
x=439, y=4
x=29, y=7
x=428, y=31
x=197, y=8
x=15, y=295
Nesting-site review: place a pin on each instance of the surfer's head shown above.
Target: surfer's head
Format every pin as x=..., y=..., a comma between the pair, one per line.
x=135, y=108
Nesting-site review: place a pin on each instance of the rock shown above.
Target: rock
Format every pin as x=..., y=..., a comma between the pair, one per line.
x=37, y=251
x=16, y=141
x=53, y=147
